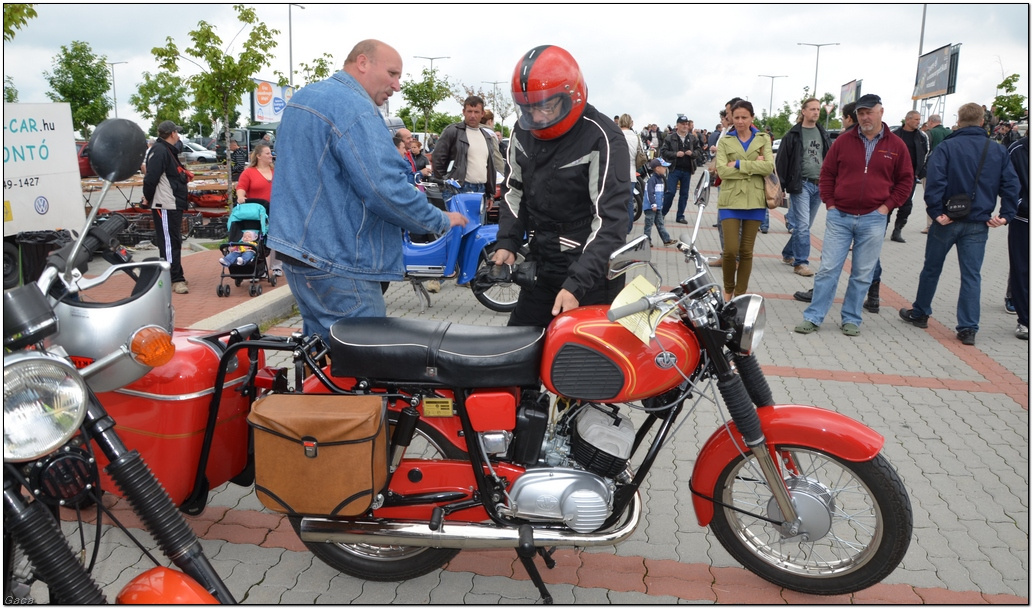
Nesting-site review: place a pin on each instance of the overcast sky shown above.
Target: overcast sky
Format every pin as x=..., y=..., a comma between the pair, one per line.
x=652, y=61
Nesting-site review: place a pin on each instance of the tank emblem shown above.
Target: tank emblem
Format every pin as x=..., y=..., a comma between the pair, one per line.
x=665, y=360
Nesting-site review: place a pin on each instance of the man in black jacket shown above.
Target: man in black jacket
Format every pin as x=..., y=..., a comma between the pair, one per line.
x=165, y=193
x=469, y=151
x=1018, y=239
x=679, y=150
x=567, y=189
x=798, y=164
x=918, y=146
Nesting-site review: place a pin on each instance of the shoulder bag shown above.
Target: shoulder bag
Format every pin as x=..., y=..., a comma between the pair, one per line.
x=960, y=205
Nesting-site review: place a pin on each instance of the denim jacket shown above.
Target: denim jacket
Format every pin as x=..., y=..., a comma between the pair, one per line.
x=340, y=194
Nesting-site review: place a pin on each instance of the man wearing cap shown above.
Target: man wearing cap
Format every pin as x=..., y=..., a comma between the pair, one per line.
x=678, y=149
x=866, y=173
x=165, y=193
x=654, y=200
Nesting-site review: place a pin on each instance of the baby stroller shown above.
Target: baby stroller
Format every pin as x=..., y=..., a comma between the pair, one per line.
x=251, y=215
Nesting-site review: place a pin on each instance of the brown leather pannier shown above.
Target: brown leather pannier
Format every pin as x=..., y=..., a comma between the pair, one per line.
x=319, y=454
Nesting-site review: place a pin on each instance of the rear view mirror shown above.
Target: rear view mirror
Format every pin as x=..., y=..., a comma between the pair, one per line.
x=636, y=251
x=117, y=149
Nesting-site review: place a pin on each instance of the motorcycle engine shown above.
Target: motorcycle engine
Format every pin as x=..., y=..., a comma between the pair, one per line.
x=578, y=490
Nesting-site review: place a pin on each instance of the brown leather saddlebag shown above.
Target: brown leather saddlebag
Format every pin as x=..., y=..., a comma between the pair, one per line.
x=319, y=454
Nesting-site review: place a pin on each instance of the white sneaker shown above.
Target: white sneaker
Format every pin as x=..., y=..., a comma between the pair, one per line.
x=1022, y=332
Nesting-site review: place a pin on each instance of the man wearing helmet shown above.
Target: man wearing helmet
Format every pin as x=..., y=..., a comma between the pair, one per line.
x=566, y=190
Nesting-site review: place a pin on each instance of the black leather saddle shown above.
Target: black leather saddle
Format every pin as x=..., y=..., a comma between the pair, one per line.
x=435, y=352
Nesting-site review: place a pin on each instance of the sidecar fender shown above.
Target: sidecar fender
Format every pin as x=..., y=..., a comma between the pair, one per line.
x=786, y=425
x=163, y=586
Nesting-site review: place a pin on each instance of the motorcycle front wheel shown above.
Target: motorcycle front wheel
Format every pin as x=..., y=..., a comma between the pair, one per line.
x=391, y=563
x=856, y=521
x=501, y=297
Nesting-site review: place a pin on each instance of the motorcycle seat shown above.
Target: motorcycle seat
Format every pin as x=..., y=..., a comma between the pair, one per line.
x=435, y=352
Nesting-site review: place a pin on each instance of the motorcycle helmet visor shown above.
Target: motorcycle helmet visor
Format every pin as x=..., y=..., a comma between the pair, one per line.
x=547, y=113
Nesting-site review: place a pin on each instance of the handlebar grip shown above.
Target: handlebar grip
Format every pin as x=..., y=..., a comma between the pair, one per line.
x=640, y=305
x=103, y=235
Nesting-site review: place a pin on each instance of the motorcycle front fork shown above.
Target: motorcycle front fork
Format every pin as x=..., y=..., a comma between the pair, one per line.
x=744, y=389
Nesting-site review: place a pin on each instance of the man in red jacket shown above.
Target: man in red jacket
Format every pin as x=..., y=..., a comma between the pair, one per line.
x=866, y=173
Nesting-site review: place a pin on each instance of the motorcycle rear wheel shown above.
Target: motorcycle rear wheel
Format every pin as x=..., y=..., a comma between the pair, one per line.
x=391, y=563
x=501, y=297
x=858, y=515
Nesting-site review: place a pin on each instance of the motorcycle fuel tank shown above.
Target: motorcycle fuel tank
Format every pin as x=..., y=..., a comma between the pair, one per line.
x=587, y=357
x=164, y=415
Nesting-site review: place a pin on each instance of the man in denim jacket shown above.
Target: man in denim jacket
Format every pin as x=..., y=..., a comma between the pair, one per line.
x=340, y=195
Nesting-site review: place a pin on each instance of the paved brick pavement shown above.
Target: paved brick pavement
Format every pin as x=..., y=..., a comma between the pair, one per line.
x=955, y=418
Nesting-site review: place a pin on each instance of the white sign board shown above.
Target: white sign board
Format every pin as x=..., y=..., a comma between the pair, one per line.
x=42, y=190
x=268, y=101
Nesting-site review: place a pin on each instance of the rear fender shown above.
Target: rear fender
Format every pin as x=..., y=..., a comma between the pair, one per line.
x=807, y=426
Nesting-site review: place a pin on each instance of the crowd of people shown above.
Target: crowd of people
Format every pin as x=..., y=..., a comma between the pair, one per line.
x=344, y=193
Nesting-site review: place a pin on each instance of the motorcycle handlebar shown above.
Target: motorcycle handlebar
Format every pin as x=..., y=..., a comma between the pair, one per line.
x=640, y=305
x=102, y=235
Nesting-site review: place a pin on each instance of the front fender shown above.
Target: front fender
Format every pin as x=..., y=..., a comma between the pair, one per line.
x=785, y=425
x=473, y=245
x=163, y=586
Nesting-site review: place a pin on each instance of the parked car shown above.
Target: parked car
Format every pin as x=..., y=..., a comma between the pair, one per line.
x=82, y=154
x=196, y=153
x=775, y=144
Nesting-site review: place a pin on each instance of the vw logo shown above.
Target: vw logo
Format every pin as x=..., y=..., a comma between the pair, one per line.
x=665, y=360
x=42, y=205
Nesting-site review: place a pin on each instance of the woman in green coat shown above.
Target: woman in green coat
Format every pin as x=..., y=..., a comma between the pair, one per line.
x=744, y=158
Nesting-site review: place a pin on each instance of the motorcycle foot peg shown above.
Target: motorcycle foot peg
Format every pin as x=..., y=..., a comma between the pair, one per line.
x=435, y=518
x=547, y=556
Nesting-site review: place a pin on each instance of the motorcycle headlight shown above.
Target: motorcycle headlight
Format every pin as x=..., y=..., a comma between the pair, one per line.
x=748, y=323
x=45, y=401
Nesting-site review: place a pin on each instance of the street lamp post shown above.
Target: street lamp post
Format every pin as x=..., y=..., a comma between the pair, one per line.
x=426, y=117
x=816, y=58
x=494, y=91
x=114, y=95
x=772, y=96
x=290, y=43
x=431, y=60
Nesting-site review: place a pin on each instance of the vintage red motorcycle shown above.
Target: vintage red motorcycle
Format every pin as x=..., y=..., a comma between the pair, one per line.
x=423, y=438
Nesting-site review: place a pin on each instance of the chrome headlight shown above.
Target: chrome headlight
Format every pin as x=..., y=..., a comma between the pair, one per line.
x=45, y=401
x=748, y=324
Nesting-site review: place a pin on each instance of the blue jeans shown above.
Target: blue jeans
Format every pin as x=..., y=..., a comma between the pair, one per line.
x=803, y=209
x=866, y=233
x=324, y=298
x=677, y=178
x=970, y=239
x=654, y=217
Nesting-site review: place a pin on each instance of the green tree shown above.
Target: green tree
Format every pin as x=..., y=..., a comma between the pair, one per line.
x=224, y=79
x=160, y=97
x=15, y=18
x=10, y=92
x=498, y=100
x=1009, y=105
x=320, y=69
x=424, y=94
x=81, y=79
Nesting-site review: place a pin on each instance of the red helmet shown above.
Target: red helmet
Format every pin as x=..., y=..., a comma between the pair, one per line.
x=549, y=90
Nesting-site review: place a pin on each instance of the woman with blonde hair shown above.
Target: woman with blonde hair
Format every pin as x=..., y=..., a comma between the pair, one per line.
x=744, y=158
x=256, y=182
x=634, y=145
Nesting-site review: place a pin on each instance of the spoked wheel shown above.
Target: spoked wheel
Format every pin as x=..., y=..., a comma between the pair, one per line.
x=856, y=521
x=501, y=297
x=391, y=563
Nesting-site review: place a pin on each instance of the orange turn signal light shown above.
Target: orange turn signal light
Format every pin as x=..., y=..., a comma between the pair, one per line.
x=152, y=346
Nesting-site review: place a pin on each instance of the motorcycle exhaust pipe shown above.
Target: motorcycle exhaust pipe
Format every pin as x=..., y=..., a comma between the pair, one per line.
x=459, y=535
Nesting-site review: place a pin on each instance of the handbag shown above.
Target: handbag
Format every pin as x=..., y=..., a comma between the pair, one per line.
x=960, y=205
x=772, y=190
x=640, y=157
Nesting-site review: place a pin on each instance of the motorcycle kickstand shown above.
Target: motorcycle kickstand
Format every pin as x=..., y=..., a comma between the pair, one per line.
x=526, y=551
x=421, y=294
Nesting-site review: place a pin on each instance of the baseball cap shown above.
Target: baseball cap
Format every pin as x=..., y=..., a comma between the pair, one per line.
x=868, y=101
x=658, y=163
x=682, y=118
x=166, y=128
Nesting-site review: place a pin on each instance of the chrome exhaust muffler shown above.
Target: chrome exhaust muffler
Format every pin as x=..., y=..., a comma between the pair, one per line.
x=460, y=535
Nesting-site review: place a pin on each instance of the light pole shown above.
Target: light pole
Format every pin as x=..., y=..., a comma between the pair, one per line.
x=114, y=95
x=816, y=58
x=431, y=60
x=290, y=43
x=772, y=96
x=494, y=90
x=426, y=117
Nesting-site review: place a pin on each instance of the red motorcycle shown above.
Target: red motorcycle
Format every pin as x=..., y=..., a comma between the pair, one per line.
x=423, y=438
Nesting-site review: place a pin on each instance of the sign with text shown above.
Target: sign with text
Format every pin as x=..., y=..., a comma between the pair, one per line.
x=934, y=71
x=268, y=101
x=41, y=174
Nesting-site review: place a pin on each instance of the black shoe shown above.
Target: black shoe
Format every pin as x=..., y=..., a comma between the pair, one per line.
x=967, y=336
x=804, y=296
x=871, y=305
x=681, y=220
x=896, y=236
x=763, y=231
x=916, y=320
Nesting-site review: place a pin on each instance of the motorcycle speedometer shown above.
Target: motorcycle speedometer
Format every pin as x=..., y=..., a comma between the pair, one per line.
x=45, y=401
